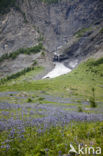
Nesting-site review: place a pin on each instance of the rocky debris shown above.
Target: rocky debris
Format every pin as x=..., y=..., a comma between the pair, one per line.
x=9, y=67
x=56, y=25
x=15, y=33
x=85, y=46
x=45, y=62
x=56, y=22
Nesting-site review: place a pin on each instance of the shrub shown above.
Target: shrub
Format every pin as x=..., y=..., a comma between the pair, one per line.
x=92, y=102
x=80, y=109
x=29, y=100
x=101, y=31
x=35, y=63
x=43, y=53
x=92, y=62
x=41, y=99
x=92, y=99
x=98, y=62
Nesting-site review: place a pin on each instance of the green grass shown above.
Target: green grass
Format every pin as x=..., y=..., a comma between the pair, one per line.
x=78, y=83
x=27, y=73
x=82, y=31
x=55, y=139
x=82, y=83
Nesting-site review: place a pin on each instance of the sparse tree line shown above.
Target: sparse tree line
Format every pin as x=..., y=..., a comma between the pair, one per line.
x=27, y=51
x=16, y=75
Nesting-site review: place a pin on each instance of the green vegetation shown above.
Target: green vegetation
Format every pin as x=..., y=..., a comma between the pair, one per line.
x=82, y=31
x=80, y=109
x=41, y=98
x=55, y=140
x=41, y=38
x=92, y=102
x=101, y=30
x=92, y=99
x=95, y=63
x=50, y=1
x=5, y=5
x=29, y=100
x=43, y=54
x=77, y=83
x=82, y=84
x=27, y=51
x=18, y=74
x=35, y=63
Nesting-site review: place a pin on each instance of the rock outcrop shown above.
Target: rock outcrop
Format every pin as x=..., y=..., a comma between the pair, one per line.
x=72, y=28
x=57, y=22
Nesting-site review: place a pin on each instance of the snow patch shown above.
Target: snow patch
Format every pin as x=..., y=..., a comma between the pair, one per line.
x=59, y=69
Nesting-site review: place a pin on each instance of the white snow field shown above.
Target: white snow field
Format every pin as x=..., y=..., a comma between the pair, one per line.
x=59, y=69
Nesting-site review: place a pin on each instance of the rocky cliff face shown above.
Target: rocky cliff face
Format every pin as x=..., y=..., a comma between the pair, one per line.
x=15, y=33
x=56, y=24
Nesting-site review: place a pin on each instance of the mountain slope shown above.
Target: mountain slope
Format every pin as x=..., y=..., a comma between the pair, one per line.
x=74, y=28
x=57, y=22
x=78, y=83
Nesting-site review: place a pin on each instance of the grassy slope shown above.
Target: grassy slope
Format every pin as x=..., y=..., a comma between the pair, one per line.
x=77, y=83
x=27, y=74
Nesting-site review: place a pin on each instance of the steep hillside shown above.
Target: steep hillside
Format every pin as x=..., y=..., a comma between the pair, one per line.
x=78, y=83
x=74, y=28
x=55, y=21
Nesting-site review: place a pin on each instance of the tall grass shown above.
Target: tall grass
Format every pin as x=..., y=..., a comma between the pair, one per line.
x=54, y=141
